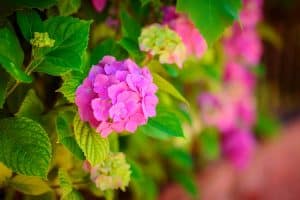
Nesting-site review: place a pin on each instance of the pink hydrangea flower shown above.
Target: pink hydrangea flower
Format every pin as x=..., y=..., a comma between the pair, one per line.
x=243, y=45
x=116, y=96
x=99, y=5
x=238, y=146
x=191, y=37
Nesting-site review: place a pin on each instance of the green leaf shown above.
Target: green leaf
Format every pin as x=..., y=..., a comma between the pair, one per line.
x=180, y=158
x=132, y=48
x=25, y=146
x=68, y=7
x=164, y=125
x=29, y=22
x=34, y=3
x=167, y=87
x=66, y=137
x=210, y=145
x=64, y=182
x=71, y=39
x=31, y=107
x=11, y=55
x=145, y=2
x=107, y=47
x=188, y=183
x=210, y=17
x=5, y=174
x=4, y=78
x=71, y=81
x=66, y=185
x=94, y=147
x=266, y=125
x=29, y=185
x=74, y=195
x=130, y=28
x=171, y=69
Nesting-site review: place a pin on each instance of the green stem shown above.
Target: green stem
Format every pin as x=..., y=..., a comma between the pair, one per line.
x=147, y=59
x=12, y=88
x=29, y=69
x=109, y=195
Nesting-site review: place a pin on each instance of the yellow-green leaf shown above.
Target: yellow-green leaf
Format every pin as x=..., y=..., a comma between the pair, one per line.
x=5, y=173
x=29, y=185
x=94, y=147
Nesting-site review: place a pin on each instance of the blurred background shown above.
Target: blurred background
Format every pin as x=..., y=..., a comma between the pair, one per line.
x=273, y=172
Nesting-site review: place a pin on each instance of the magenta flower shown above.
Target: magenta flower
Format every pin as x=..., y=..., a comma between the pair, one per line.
x=238, y=146
x=116, y=96
x=191, y=37
x=99, y=5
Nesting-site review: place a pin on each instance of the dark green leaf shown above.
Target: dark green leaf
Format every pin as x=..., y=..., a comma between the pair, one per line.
x=25, y=146
x=34, y=3
x=29, y=22
x=130, y=28
x=145, y=2
x=11, y=55
x=210, y=17
x=4, y=78
x=107, y=47
x=132, y=48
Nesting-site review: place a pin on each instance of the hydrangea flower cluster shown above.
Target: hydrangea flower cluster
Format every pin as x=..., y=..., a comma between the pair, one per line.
x=232, y=110
x=113, y=173
x=191, y=37
x=42, y=40
x=116, y=96
x=162, y=41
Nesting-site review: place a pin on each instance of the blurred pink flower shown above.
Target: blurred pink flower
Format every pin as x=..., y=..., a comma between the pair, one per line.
x=217, y=111
x=99, y=5
x=191, y=37
x=238, y=147
x=240, y=75
x=116, y=96
x=243, y=45
x=251, y=13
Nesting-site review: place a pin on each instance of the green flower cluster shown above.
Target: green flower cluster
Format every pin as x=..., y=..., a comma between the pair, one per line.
x=164, y=42
x=112, y=173
x=42, y=40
